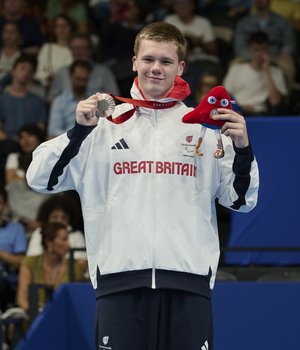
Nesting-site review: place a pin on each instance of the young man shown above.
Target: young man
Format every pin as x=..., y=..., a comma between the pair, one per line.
x=148, y=203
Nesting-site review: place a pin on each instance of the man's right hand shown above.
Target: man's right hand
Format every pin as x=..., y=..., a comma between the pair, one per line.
x=86, y=110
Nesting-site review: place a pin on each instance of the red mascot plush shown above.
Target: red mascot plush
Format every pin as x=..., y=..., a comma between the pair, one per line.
x=218, y=97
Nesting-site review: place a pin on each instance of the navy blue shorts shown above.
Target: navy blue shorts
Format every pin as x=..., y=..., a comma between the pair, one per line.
x=154, y=319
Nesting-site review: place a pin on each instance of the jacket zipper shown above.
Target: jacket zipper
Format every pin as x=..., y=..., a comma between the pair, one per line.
x=153, y=285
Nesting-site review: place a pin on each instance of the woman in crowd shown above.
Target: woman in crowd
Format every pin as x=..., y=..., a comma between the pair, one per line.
x=23, y=202
x=59, y=208
x=50, y=268
x=56, y=54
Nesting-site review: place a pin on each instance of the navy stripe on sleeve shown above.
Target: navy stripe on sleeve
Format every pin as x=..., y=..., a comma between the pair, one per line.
x=241, y=168
x=76, y=135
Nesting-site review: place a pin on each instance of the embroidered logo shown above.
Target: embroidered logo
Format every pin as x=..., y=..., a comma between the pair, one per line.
x=105, y=340
x=121, y=144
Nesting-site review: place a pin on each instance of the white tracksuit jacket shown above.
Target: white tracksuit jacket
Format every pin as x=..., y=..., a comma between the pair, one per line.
x=148, y=203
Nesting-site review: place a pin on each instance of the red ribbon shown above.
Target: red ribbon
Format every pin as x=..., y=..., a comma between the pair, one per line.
x=180, y=91
x=138, y=103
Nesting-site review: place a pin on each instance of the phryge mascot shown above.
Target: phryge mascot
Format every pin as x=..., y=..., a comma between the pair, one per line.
x=218, y=97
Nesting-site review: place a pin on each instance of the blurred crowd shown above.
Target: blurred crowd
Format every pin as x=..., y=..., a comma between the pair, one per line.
x=55, y=53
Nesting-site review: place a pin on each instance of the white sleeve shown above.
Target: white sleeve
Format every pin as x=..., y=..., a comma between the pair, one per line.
x=35, y=243
x=12, y=161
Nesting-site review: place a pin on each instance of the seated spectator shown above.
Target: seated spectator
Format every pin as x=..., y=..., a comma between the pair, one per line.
x=59, y=208
x=207, y=81
x=99, y=11
x=18, y=106
x=76, y=10
x=55, y=54
x=13, y=246
x=225, y=12
x=117, y=42
x=32, y=37
x=10, y=51
x=161, y=9
x=101, y=78
x=198, y=29
x=63, y=107
x=289, y=9
x=280, y=33
x=191, y=73
x=23, y=202
x=258, y=86
x=50, y=268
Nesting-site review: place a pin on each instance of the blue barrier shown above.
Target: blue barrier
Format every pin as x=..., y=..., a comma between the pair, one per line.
x=275, y=222
x=247, y=315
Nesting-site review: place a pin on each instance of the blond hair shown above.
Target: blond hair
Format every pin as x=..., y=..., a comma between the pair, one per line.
x=162, y=31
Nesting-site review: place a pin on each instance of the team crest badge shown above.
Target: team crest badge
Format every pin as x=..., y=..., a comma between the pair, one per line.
x=189, y=138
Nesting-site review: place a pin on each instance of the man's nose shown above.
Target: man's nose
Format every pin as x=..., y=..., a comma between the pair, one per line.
x=156, y=67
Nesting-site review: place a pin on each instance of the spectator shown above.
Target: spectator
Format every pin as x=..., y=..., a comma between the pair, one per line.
x=23, y=202
x=99, y=11
x=199, y=30
x=64, y=105
x=59, y=208
x=18, y=106
x=10, y=51
x=279, y=30
x=76, y=10
x=117, y=40
x=13, y=246
x=207, y=81
x=226, y=12
x=258, y=86
x=49, y=268
x=32, y=37
x=289, y=9
x=56, y=54
x=101, y=78
x=161, y=9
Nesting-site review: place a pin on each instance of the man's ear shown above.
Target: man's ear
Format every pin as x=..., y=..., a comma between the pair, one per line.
x=134, y=69
x=181, y=68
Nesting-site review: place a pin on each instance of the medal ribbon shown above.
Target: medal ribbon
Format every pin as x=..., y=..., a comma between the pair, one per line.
x=180, y=91
x=138, y=103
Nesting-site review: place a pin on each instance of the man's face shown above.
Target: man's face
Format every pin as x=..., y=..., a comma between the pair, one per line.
x=79, y=80
x=10, y=34
x=81, y=49
x=13, y=7
x=261, y=4
x=259, y=52
x=157, y=66
x=28, y=141
x=23, y=73
x=183, y=7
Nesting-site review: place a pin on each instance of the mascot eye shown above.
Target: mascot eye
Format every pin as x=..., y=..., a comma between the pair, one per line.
x=212, y=100
x=224, y=102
